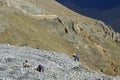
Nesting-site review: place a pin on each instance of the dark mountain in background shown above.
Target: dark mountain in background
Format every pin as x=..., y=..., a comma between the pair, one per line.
x=105, y=10
x=98, y=4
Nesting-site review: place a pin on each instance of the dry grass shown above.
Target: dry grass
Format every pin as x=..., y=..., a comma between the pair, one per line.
x=24, y=31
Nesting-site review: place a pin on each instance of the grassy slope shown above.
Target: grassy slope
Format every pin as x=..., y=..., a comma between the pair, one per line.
x=24, y=31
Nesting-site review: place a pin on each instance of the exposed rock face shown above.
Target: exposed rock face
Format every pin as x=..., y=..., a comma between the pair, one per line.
x=72, y=28
x=110, y=33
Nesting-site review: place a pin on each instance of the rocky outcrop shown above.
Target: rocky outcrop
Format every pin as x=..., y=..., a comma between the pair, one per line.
x=71, y=29
x=110, y=33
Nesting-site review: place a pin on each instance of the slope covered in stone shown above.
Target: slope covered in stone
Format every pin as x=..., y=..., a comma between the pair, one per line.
x=57, y=66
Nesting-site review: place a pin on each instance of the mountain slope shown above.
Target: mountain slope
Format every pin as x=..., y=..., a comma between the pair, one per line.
x=19, y=29
x=60, y=29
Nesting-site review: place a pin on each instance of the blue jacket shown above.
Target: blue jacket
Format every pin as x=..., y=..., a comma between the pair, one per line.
x=41, y=67
x=78, y=56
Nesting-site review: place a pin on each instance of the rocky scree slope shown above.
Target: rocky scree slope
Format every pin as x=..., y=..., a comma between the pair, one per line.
x=57, y=66
x=97, y=43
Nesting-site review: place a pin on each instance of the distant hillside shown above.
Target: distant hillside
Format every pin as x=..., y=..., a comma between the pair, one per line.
x=112, y=17
x=98, y=4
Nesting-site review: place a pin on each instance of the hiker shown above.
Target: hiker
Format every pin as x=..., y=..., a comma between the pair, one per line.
x=26, y=64
x=76, y=57
x=40, y=68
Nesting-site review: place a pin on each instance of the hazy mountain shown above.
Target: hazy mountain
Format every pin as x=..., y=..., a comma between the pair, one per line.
x=47, y=24
x=98, y=4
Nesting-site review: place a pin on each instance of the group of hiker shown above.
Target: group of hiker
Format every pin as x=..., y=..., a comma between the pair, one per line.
x=40, y=67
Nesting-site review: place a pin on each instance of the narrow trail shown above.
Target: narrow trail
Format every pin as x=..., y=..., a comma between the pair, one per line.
x=43, y=16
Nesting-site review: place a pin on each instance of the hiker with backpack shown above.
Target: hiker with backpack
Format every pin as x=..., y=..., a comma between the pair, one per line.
x=40, y=68
x=76, y=57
